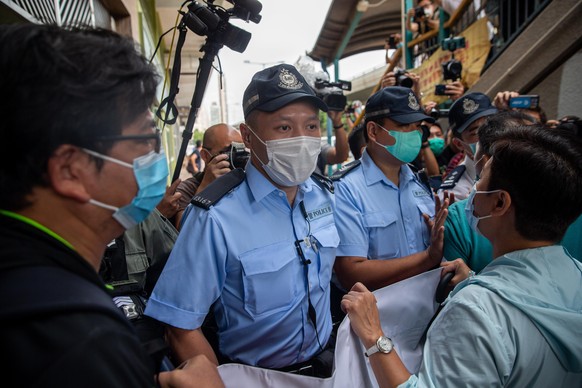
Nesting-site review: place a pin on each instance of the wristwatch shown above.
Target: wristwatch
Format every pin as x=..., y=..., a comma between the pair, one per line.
x=382, y=345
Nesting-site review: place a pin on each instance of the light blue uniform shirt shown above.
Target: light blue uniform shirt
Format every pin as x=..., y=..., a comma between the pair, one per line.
x=378, y=220
x=241, y=253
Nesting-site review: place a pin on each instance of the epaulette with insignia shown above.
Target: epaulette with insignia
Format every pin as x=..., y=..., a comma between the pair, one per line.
x=323, y=181
x=453, y=178
x=218, y=189
x=345, y=170
x=421, y=176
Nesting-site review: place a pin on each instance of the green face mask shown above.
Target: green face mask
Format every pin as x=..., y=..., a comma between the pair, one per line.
x=407, y=145
x=437, y=145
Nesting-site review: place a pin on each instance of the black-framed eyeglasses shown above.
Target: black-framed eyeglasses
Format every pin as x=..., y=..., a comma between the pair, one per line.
x=155, y=137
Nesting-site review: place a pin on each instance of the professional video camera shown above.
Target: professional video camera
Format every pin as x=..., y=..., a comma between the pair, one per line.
x=238, y=155
x=332, y=93
x=402, y=79
x=453, y=68
x=205, y=20
x=212, y=21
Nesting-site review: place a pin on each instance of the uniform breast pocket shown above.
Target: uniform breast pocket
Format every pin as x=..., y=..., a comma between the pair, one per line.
x=327, y=242
x=270, y=278
x=425, y=207
x=384, y=235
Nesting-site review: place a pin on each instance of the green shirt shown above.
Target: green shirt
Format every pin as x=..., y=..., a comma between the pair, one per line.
x=463, y=242
x=572, y=240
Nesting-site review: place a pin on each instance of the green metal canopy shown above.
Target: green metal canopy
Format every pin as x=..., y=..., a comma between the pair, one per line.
x=348, y=31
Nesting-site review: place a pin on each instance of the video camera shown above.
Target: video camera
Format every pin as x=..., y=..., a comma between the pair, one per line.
x=332, y=93
x=238, y=155
x=205, y=20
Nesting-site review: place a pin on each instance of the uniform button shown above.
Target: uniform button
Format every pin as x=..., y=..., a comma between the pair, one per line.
x=281, y=194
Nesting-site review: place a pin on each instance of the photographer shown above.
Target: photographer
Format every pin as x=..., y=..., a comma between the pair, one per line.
x=338, y=153
x=400, y=77
x=393, y=42
x=422, y=18
x=217, y=139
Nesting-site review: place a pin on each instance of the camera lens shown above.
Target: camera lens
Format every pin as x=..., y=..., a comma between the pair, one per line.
x=452, y=69
x=404, y=81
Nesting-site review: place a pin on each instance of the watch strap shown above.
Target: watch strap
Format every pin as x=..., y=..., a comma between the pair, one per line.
x=373, y=349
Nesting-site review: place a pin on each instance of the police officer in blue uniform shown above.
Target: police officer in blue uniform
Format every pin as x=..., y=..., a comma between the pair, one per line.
x=385, y=214
x=257, y=248
x=466, y=115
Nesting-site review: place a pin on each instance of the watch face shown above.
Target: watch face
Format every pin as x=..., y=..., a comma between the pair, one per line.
x=384, y=344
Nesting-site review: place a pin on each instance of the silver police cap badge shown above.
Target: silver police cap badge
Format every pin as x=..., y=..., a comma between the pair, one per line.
x=288, y=80
x=412, y=102
x=469, y=106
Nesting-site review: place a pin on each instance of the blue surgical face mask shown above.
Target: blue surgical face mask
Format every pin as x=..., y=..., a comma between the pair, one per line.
x=472, y=146
x=151, y=174
x=407, y=145
x=472, y=219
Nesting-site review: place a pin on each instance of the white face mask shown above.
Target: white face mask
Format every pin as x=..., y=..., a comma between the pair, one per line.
x=291, y=161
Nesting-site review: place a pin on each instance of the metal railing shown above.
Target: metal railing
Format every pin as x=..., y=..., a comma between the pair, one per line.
x=507, y=19
x=62, y=13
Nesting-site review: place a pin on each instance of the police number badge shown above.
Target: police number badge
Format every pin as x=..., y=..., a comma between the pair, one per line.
x=412, y=102
x=288, y=80
x=469, y=106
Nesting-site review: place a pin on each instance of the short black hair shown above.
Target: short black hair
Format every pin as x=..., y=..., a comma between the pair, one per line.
x=63, y=86
x=497, y=124
x=541, y=170
x=378, y=120
x=356, y=140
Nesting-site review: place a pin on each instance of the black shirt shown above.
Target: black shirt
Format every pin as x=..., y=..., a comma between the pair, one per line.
x=65, y=347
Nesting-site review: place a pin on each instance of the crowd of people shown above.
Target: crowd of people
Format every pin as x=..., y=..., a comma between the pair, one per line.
x=258, y=256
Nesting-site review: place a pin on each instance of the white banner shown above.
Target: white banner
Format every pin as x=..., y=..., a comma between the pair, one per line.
x=405, y=309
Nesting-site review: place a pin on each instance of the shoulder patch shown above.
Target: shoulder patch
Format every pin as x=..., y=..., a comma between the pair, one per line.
x=215, y=191
x=323, y=181
x=345, y=170
x=453, y=178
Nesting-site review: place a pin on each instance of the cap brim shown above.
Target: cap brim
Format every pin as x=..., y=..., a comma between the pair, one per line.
x=487, y=112
x=411, y=118
x=287, y=99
